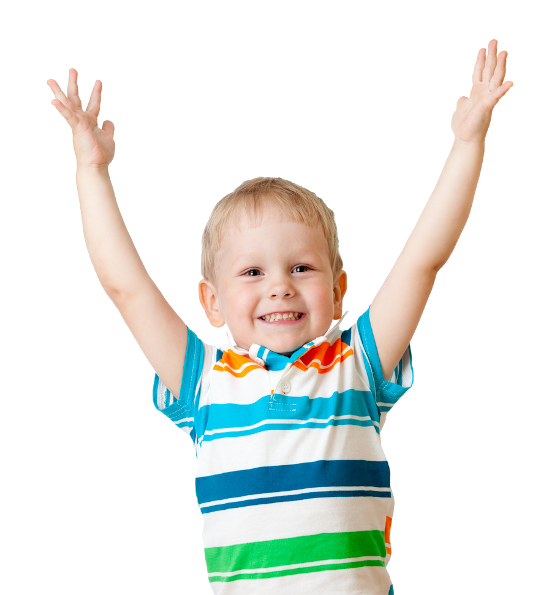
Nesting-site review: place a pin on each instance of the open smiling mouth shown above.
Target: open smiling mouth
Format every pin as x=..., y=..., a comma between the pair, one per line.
x=282, y=317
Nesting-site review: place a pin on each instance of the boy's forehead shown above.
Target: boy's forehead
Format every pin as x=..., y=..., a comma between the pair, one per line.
x=243, y=219
x=246, y=235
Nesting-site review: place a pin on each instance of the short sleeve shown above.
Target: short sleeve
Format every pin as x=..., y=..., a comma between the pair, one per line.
x=386, y=392
x=183, y=412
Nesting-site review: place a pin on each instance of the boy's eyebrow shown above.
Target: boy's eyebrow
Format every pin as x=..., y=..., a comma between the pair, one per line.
x=256, y=256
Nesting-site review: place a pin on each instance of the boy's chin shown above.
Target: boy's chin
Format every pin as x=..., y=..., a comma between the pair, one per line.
x=283, y=347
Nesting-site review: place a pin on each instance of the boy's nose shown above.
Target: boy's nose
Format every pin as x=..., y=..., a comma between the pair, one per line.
x=280, y=294
x=281, y=287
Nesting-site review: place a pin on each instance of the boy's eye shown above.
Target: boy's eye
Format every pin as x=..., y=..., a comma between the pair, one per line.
x=301, y=268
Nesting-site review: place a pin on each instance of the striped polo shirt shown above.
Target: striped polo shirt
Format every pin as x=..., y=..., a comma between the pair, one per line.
x=292, y=482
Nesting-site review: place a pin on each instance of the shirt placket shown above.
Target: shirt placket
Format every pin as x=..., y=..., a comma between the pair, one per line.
x=280, y=399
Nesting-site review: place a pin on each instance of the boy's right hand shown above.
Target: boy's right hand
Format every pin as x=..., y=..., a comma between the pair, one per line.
x=94, y=147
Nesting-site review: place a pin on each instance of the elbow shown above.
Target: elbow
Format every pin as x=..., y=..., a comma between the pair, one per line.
x=437, y=267
x=115, y=295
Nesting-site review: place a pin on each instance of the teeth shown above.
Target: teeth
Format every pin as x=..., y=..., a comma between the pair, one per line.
x=285, y=316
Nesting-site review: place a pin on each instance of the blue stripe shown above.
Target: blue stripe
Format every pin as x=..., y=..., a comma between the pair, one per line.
x=285, y=478
x=293, y=497
x=367, y=364
x=188, y=399
x=192, y=369
x=385, y=391
x=223, y=416
x=287, y=427
x=366, y=334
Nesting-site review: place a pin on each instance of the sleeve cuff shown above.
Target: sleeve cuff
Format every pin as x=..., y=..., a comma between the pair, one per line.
x=164, y=401
x=387, y=392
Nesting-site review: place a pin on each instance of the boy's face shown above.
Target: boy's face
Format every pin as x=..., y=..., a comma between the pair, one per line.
x=278, y=266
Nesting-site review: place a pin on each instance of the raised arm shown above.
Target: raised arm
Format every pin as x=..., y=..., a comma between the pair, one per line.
x=398, y=306
x=159, y=331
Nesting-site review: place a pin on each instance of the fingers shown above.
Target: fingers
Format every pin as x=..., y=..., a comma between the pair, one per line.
x=62, y=108
x=481, y=58
x=58, y=92
x=484, y=67
x=94, y=104
x=490, y=65
x=63, y=104
x=71, y=107
x=499, y=73
x=502, y=90
x=491, y=70
x=73, y=88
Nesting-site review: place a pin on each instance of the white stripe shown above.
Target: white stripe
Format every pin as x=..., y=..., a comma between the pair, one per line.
x=245, y=524
x=180, y=421
x=289, y=421
x=303, y=491
x=303, y=565
x=385, y=404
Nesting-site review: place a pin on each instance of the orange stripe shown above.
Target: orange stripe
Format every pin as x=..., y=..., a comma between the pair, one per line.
x=327, y=354
x=235, y=361
x=388, y=523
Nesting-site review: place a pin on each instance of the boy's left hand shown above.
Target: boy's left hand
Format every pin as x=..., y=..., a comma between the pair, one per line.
x=471, y=119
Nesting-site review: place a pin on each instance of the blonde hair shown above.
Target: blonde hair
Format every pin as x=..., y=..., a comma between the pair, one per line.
x=301, y=205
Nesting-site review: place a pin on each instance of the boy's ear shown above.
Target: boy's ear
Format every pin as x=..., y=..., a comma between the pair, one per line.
x=339, y=290
x=208, y=297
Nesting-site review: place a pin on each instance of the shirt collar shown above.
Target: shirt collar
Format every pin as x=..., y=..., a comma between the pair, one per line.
x=276, y=361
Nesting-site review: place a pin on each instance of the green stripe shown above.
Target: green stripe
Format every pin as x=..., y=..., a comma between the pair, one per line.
x=295, y=550
x=245, y=575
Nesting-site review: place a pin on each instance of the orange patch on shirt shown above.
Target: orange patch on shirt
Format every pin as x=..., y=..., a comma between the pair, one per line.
x=388, y=522
x=237, y=365
x=324, y=357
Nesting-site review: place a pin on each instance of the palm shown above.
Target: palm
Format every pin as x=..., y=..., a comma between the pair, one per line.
x=93, y=146
x=471, y=119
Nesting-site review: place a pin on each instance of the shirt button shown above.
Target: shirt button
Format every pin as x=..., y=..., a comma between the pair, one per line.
x=285, y=387
x=259, y=361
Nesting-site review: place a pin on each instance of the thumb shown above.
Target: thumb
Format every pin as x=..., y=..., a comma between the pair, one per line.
x=460, y=100
x=498, y=93
x=108, y=126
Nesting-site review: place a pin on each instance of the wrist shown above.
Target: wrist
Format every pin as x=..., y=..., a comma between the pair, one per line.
x=459, y=142
x=82, y=168
x=468, y=146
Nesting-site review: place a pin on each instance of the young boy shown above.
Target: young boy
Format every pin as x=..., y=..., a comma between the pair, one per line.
x=292, y=480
